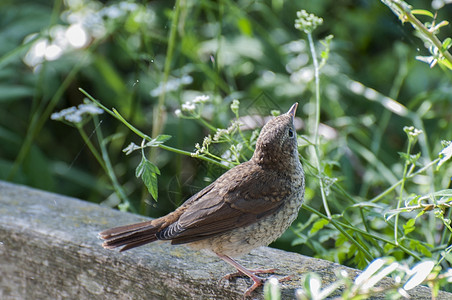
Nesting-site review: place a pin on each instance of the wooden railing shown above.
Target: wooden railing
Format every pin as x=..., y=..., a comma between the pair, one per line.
x=49, y=250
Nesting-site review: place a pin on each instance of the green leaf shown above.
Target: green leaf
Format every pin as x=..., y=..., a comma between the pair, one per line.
x=341, y=239
x=302, y=239
x=360, y=259
x=445, y=154
x=163, y=138
x=158, y=140
x=245, y=26
x=422, y=12
x=148, y=173
x=388, y=247
x=319, y=224
x=409, y=226
x=424, y=250
x=446, y=63
x=421, y=247
x=443, y=193
x=447, y=44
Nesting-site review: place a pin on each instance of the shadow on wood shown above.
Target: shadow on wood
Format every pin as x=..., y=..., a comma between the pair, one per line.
x=49, y=250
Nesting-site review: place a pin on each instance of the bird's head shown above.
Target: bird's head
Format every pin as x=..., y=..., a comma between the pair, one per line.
x=277, y=142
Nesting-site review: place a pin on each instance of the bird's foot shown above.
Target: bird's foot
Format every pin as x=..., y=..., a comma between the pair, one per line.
x=257, y=280
x=242, y=271
x=256, y=272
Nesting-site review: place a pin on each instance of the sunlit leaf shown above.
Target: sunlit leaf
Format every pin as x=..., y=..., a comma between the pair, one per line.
x=368, y=204
x=422, y=12
x=447, y=44
x=371, y=269
x=409, y=226
x=312, y=284
x=424, y=250
x=446, y=63
x=341, y=239
x=245, y=26
x=379, y=276
x=319, y=224
x=272, y=289
x=420, y=273
x=445, y=154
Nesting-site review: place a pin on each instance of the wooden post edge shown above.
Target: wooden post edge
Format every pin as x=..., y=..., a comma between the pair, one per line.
x=49, y=249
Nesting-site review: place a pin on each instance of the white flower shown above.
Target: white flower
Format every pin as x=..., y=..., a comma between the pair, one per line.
x=74, y=118
x=188, y=106
x=201, y=99
x=60, y=115
x=75, y=114
x=90, y=109
x=219, y=134
x=171, y=85
x=235, y=106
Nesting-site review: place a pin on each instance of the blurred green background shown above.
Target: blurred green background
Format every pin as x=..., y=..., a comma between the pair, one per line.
x=245, y=50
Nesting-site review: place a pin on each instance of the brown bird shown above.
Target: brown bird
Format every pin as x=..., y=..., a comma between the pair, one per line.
x=249, y=206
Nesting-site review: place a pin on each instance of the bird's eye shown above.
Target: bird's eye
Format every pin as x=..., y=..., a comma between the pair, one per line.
x=290, y=132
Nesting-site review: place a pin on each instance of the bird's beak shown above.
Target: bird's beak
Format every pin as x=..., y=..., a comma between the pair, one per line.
x=293, y=110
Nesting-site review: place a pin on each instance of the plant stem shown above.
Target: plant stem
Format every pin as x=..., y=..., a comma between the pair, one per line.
x=392, y=187
x=427, y=33
x=109, y=168
x=317, y=123
x=402, y=187
x=363, y=232
x=118, y=116
x=403, y=11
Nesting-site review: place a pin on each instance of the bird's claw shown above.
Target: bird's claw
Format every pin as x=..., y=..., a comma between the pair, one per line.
x=255, y=272
x=257, y=281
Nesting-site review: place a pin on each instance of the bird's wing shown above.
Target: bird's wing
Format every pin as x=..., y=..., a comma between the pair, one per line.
x=235, y=200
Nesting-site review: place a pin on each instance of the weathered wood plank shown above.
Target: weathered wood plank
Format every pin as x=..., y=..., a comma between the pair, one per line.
x=49, y=250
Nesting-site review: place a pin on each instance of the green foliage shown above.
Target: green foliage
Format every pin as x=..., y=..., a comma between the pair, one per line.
x=148, y=172
x=272, y=290
x=374, y=118
x=427, y=31
x=368, y=283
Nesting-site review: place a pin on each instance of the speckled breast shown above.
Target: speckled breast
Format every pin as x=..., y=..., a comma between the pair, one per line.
x=241, y=241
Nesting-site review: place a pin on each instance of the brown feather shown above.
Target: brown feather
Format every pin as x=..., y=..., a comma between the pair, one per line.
x=134, y=235
x=227, y=206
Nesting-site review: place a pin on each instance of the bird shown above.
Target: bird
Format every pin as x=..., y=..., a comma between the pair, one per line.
x=249, y=206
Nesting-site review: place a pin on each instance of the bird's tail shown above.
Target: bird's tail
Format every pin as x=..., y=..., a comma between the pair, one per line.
x=130, y=236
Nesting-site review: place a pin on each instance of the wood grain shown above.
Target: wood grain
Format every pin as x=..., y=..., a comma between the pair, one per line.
x=49, y=249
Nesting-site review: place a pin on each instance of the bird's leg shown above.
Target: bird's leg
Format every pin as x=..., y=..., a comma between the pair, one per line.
x=244, y=271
